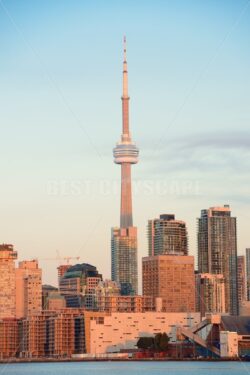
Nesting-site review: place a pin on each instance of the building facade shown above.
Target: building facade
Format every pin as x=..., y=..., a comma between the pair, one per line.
x=57, y=334
x=7, y=281
x=210, y=293
x=46, y=292
x=61, y=270
x=121, y=331
x=55, y=301
x=28, y=289
x=242, y=280
x=167, y=236
x=128, y=304
x=124, y=239
x=124, y=259
x=248, y=272
x=78, y=286
x=171, y=278
x=9, y=344
x=217, y=250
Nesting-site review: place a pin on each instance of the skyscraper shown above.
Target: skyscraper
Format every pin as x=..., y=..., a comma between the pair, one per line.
x=248, y=272
x=217, y=250
x=167, y=236
x=124, y=238
x=7, y=281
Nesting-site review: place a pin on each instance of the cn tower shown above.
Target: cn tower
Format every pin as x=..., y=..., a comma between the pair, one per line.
x=125, y=152
x=124, y=239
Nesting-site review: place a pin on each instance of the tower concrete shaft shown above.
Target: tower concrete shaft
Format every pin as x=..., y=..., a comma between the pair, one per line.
x=125, y=153
x=126, y=217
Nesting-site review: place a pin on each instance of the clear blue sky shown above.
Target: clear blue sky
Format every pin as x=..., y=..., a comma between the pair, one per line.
x=60, y=73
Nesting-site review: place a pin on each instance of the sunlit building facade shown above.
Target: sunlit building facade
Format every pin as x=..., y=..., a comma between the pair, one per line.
x=242, y=280
x=217, y=250
x=167, y=236
x=7, y=281
x=210, y=293
x=124, y=259
x=28, y=288
x=78, y=286
x=171, y=278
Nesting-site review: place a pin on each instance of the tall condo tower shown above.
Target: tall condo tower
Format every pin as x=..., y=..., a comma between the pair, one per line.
x=217, y=250
x=167, y=236
x=124, y=239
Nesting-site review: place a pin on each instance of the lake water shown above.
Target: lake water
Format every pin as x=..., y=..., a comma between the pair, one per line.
x=127, y=368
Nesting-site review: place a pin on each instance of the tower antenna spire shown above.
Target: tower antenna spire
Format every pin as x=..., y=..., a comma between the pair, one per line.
x=124, y=48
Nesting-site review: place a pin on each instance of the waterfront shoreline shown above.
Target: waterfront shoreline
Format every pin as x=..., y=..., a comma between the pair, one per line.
x=58, y=360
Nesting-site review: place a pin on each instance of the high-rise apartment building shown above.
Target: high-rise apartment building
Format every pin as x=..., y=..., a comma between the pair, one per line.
x=78, y=285
x=210, y=293
x=7, y=281
x=217, y=250
x=248, y=272
x=124, y=259
x=124, y=239
x=171, y=278
x=28, y=289
x=167, y=236
x=242, y=282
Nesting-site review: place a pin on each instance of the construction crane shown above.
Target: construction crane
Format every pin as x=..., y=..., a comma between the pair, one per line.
x=67, y=259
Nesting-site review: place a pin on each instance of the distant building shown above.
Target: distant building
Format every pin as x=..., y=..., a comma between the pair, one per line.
x=229, y=344
x=124, y=259
x=248, y=272
x=46, y=290
x=7, y=281
x=78, y=286
x=242, y=283
x=66, y=335
x=108, y=288
x=170, y=277
x=28, y=289
x=52, y=334
x=167, y=236
x=9, y=343
x=112, y=333
x=127, y=304
x=217, y=250
x=236, y=332
x=245, y=308
x=55, y=301
x=61, y=270
x=32, y=336
x=210, y=293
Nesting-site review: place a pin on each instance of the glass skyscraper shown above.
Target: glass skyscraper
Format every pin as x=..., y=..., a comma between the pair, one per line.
x=217, y=250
